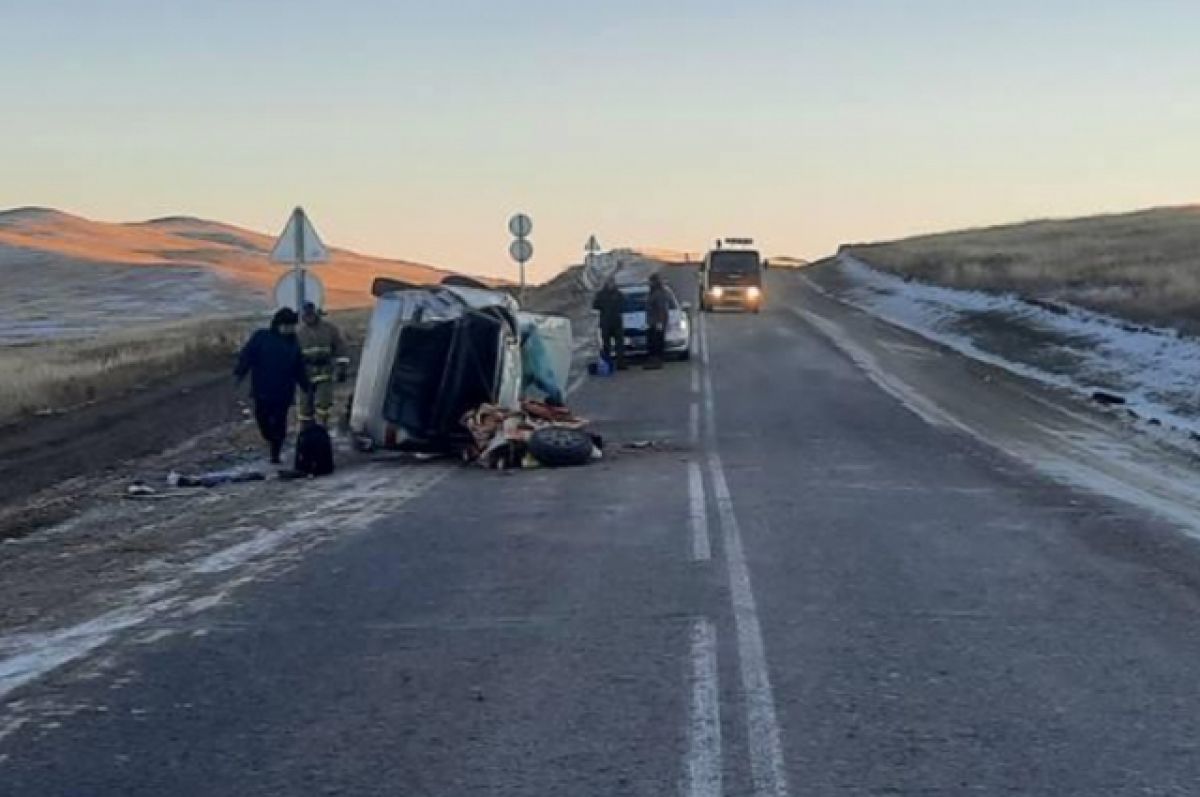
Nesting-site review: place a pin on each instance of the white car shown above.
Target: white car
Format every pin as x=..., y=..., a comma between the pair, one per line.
x=679, y=325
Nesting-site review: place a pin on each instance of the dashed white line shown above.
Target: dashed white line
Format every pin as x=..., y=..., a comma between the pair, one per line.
x=701, y=546
x=762, y=727
x=704, y=723
x=694, y=424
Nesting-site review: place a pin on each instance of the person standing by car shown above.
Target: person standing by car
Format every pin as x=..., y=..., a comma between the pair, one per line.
x=273, y=360
x=658, y=315
x=610, y=302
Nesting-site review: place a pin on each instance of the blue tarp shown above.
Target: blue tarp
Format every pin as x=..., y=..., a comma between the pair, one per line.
x=537, y=369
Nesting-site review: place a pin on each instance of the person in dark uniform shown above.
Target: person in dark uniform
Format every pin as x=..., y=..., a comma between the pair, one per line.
x=273, y=359
x=658, y=314
x=610, y=302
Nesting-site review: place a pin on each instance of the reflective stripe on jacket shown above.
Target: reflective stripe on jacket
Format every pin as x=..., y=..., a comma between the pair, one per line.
x=321, y=344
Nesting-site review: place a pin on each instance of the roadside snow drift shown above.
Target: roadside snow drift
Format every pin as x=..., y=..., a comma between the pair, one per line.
x=1155, y=371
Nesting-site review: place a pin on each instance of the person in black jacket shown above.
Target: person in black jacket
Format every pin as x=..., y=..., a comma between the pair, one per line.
x=275, y=364
x=610, y=302
x=658, y=315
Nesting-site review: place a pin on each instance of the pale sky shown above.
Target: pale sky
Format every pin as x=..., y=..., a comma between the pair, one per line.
x=414, y=129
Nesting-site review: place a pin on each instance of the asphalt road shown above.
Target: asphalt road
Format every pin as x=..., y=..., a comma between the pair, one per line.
x=803, y=587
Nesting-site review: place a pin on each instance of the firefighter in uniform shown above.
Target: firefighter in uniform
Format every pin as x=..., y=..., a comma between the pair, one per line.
x=321, y=344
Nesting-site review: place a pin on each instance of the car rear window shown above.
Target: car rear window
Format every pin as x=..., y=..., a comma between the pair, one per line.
x=634, y=302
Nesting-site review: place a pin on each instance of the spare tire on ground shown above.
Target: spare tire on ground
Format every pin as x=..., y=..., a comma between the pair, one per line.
x=558, y=447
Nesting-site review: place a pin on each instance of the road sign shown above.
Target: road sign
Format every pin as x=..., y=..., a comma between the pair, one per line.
x=592, y=246
x=288, y=292
x=520, y=225
x=521, y=250
x=299, y=244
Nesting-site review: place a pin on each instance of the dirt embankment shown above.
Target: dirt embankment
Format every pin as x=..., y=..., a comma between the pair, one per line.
x=61, y=451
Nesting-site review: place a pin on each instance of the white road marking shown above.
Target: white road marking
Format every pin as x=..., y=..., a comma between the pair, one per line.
x=695, y=379
x=694, y=424
x=704, y=723
x=701, y=546
x=762, y=727
x=897, y=388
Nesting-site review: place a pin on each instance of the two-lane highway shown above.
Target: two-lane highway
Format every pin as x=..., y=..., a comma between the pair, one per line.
x=803, y=587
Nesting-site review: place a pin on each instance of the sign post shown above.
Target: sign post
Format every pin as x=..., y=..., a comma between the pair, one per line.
x=298, y=246
x=590, y=277
x=521, y=249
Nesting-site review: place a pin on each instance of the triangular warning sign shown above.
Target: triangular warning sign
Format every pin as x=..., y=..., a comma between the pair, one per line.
x=299, y=242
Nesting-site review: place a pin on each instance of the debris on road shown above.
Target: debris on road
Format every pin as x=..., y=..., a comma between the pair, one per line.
x=562, y=447
x=503, y=438
x=1108, y=399
x=215, y=478
x=140, y=490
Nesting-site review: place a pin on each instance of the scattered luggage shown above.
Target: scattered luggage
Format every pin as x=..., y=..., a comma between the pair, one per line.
x=314, y=451
x=504, y=439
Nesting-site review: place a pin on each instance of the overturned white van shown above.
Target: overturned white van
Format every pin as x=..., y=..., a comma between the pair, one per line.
x=432, y=354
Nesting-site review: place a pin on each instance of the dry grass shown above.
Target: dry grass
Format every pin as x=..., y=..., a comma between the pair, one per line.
x=1142, y=266
x=58, y=376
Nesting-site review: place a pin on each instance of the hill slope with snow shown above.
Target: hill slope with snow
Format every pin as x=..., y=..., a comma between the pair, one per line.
x=67, y=276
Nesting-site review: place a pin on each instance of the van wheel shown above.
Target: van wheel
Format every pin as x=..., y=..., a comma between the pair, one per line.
x=556, y=447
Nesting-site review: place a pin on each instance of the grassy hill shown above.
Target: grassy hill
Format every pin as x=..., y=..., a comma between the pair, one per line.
x=1143, y=266
x=228, y=252
x=67, y=277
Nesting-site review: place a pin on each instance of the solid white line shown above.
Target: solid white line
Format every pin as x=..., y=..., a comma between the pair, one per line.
x=701, y=546
x=704, y=724
x=762, y=727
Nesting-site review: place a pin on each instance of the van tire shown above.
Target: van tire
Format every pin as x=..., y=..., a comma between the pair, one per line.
x=558, y=447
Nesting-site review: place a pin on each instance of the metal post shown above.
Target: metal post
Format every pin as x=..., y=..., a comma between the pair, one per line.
x=522, y=299
x=298, y=223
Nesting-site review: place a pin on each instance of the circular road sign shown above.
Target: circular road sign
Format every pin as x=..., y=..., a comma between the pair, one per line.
x=521, y=250
x=286, y=294
x=520, y=225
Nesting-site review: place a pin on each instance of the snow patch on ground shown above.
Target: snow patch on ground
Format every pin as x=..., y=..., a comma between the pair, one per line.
x=335, y=506
x=1157, y=371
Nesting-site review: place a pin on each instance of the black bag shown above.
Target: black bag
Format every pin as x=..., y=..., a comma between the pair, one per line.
x=314, y=451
